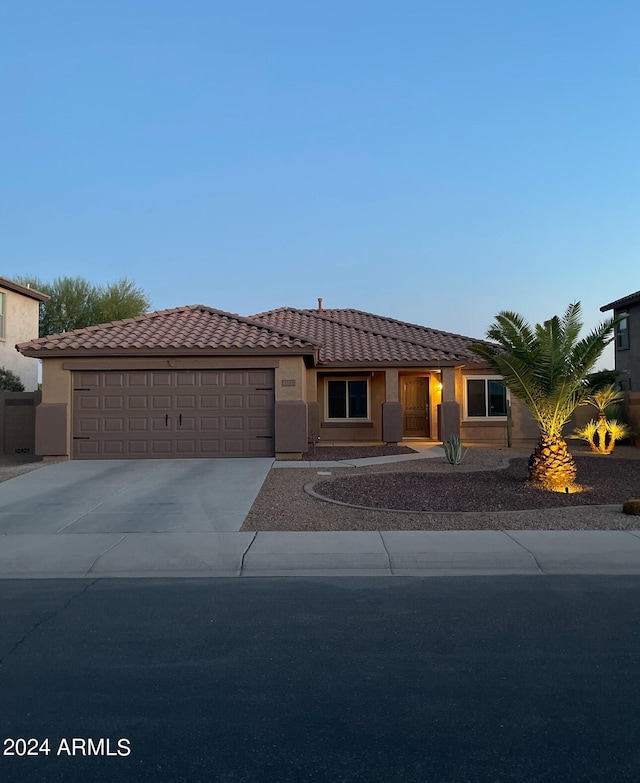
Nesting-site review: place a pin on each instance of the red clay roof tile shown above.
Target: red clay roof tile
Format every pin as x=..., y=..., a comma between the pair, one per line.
x=181, y=328
x=353, y=336
x=336, y=336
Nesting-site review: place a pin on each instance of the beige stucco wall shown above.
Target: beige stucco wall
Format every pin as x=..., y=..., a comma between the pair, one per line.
x=20, y=326
x=294, y=382
x=57, y=375
x=290, y=379
x=56, y=391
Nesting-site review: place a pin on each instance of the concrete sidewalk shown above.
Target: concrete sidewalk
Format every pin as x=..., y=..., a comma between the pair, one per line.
x=185, y=549
x=413, y=553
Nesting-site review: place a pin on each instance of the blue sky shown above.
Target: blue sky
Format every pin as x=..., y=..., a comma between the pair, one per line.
x=435, y=162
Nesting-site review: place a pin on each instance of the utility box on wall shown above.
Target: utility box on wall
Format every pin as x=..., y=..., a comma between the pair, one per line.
x=18, y=422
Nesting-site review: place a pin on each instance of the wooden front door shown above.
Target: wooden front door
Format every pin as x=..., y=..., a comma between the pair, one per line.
x=415, y=407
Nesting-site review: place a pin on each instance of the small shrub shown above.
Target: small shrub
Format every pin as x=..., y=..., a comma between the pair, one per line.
x=632, y=507
x=9, y=381
x=453, y=450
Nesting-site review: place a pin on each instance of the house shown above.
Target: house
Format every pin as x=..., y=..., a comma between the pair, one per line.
x=195, y=381
x=627, y=342
x=19, y=320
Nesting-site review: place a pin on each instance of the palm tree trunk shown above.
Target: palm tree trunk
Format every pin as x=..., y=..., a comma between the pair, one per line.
x=551, y=466
x=602, y=434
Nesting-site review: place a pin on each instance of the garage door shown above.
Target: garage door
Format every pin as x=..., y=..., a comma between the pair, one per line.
x=207, y=413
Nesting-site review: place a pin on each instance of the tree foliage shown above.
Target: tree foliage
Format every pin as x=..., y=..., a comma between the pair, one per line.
x=546, y=365
x=76, y=303
x=601, y=379
x=9, y=381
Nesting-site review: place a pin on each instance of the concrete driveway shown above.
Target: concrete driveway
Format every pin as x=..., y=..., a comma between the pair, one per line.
x=132, y=496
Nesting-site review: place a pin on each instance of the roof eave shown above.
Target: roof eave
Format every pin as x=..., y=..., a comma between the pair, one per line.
x=620, y=303
x=428, y=363
x=17, y=288
x=62, y=353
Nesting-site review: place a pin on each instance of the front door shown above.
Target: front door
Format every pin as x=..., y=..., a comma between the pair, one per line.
x=415, y=407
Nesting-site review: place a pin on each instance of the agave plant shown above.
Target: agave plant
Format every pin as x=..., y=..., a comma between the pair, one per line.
x=601, y=434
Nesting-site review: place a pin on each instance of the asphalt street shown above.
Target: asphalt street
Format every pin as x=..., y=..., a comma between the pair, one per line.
x=445, y=679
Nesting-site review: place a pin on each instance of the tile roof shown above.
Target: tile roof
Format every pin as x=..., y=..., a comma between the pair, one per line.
x=190, y=328
x=352, y=336
x=335, y=337
x=626, y=300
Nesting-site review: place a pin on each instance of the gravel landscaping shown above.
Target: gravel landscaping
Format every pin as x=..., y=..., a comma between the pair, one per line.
x=329, y=453
x=487, y=491
x=12, y=466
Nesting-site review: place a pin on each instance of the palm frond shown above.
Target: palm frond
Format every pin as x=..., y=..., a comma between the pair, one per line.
x=545, y=366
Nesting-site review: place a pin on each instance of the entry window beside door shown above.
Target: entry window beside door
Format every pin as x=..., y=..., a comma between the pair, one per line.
x=347, y=399
x=486, y=398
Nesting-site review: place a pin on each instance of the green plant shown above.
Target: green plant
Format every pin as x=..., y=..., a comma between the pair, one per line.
x=453, y=450
x=601, y=378
x=75, y=303
x=631, y=507
x=546, y=366
x=602, y=433
x=9, y=381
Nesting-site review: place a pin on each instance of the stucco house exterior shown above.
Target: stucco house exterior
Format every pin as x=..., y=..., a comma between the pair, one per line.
x=627, y=342
x=19, y=317
x=195, y=381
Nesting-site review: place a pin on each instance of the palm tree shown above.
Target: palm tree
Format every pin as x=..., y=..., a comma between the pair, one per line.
x=602, y=434
x=545, y=367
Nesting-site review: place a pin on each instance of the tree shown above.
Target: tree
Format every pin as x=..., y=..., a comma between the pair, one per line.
x=546, y=367
x=75, y=302
x=9, y=381
x=121, y=300
x=600, y=379
x=602, y=433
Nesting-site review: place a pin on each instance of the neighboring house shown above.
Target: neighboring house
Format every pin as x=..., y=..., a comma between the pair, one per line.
x=19, y=320
x=627, y=342
x=195, y=381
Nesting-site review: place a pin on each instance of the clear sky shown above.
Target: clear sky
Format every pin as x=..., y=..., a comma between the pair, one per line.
x=431, y=161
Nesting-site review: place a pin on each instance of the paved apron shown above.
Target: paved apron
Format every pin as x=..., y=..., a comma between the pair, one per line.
x=133, y=496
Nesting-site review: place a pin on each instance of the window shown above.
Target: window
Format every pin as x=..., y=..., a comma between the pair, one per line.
x=486, y=398
x=1, y=315
x=347, y=399
x=622, y=334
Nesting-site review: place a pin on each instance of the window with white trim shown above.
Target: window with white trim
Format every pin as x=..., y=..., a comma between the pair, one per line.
x=1, y=315
x=485, y=398
x=346, y=399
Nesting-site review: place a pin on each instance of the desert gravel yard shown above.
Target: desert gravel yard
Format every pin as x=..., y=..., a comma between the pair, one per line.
x=486, y=492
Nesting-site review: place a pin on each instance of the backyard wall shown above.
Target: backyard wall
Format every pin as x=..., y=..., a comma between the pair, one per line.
x=632, y=411
x=18, y=422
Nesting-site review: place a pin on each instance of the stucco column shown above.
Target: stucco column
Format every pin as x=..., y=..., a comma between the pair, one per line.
x=391, y=409
x=291, y=415
x=449, y=408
